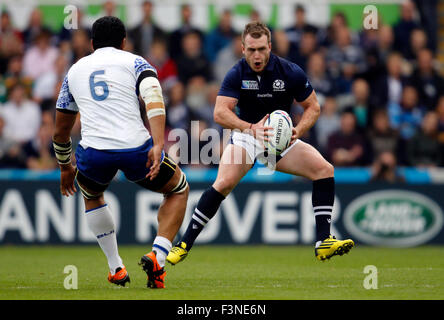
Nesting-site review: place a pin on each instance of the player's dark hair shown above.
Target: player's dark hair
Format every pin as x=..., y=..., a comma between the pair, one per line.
x=108, y=32
x=256, y=29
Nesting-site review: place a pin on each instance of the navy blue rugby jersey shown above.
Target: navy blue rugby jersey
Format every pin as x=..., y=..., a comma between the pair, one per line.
x=274, y=88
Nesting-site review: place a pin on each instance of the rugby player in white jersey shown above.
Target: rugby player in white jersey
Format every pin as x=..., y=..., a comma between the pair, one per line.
x=106, y=87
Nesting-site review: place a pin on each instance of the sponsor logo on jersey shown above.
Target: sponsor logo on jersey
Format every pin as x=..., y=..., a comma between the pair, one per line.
x=250, y=85
x=393, y=218
x=264, y=95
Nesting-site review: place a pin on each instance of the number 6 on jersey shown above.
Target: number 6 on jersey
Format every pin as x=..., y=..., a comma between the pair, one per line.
x=103, y=92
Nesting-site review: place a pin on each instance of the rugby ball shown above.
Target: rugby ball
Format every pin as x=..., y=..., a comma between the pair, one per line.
x=282, y=126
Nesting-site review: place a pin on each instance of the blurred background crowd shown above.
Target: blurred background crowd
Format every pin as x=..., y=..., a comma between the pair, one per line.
x=380, y=90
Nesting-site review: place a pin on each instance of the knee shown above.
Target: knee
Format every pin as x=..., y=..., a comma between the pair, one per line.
x=326, y=170
x=224, y=186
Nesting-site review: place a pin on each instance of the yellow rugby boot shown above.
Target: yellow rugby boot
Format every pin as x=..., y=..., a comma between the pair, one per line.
x=332, y=247
x=178, y=253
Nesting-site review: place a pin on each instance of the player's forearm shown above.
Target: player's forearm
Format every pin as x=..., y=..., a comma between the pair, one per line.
x=63, y=126
x=229, y=120
x=308, y=119
x=62, y=138
x=157, y=126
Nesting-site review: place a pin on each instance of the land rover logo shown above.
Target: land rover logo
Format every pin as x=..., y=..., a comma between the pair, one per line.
x=393, y=218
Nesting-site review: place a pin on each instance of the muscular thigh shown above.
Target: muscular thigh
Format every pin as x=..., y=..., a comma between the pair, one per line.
x=233, y=165
x=304, y=160
x=169, y=179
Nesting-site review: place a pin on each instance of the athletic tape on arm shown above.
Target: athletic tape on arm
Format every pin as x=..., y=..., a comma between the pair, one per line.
x=151, y=92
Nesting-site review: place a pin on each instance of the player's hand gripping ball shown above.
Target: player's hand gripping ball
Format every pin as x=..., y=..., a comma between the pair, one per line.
x=282, y=126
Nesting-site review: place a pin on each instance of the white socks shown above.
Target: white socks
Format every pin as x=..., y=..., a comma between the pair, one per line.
x=101, y=223
x=162, y=246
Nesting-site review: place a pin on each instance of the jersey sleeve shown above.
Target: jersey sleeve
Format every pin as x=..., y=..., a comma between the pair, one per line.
x=230, y=86
x=65, y=101
x=140, y=65
x=299, y=82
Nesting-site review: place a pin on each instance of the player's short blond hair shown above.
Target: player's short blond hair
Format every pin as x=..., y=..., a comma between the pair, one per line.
x=256, y=29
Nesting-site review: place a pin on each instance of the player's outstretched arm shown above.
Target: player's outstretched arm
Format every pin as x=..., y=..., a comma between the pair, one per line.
x=63, y=149
x=312, y=110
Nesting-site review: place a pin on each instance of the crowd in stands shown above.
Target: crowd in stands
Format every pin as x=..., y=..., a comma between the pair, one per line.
x=380, y=90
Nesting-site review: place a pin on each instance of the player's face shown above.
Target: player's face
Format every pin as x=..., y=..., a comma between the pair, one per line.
x=256, y=52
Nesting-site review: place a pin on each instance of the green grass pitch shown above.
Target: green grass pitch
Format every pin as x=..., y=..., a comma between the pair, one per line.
x=226, y=273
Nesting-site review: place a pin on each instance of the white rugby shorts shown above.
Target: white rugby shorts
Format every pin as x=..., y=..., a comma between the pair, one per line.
x=255, y=149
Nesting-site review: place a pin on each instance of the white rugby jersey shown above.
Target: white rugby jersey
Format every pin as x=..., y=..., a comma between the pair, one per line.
x=102, y=87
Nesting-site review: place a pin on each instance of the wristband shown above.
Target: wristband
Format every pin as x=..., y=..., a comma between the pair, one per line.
x=63, y=151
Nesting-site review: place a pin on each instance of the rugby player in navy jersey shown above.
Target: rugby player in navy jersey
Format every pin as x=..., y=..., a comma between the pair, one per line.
x=257, y=85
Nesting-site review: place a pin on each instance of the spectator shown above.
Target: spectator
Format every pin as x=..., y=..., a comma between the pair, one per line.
x=178, y=115
x=192, y=63
x=201, y=99
x=220, y=37
x=427, y=81
x=328, y=123
x=406, y=116
x=404, y=27
x=227, y=58
x=327, y=37
x=320, y=79
x=304, y=49
x=377, y=56
x=344, y=58
x=424, y=149
x=388, y=88
x=39, y=151
x=381, y=136
x=255, y=15
x=418, y=41
x=22, y=116
x=43, y=91
x=346, y=146
x=384, y=169
x=108, y=8
x=368, y=38
x=14, y=75
x=175, y=40
x=208, y=109
x=429, y=19
x=11, y=41
x=65, y=35
x=40, y=58
x=196, y=98
x=34, y=28
x=386, y=41
x=11, y=153
x=294, y=33
x=80, y=44
x=146, y=32
x=360, y=103
x=282, y=47
x=165, y=66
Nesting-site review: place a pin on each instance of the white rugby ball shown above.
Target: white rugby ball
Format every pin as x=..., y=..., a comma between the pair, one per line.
x=282, y=126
